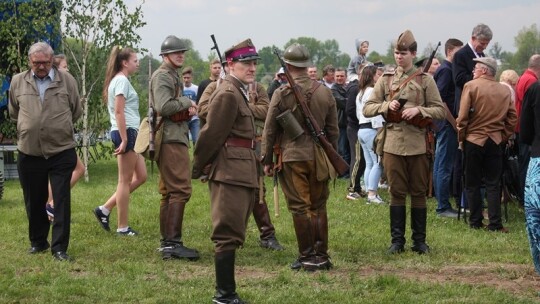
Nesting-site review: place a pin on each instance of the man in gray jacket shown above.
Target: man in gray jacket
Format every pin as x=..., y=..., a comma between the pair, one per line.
x=45, y=104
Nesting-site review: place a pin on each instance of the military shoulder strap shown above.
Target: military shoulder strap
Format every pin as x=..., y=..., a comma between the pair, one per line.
x=401, y=85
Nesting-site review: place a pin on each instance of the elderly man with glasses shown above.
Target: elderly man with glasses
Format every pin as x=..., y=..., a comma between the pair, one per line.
x=45, y=103
x=486, y=120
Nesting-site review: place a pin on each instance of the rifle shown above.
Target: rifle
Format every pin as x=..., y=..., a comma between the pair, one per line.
x=428, y=62
x=430, y=139
x=152, y=116
x=215, y=47
x=276, y=169
x=317, y=133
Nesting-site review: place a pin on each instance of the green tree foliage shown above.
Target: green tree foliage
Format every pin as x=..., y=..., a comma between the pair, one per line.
x=193, y=59
x=92, y=28
x=322, y=53
x=147, y=65
x=21, y=24
x=268, y=65
x=374, y=57
x=527, y=43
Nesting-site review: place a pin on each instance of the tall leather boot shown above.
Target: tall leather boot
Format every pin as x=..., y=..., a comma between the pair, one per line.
x=173, y=246
x=306, y=241
x=319, y=222
x=163, y=211
x=225, y=283
x=418, y=227
x=397, y=229
x=267, y=231
x=163, y=208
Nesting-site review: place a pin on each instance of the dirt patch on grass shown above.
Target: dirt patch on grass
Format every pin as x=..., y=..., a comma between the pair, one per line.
x=520, y=280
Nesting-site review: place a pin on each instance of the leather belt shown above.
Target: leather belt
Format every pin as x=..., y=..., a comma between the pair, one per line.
x=240, y=142
x=366, y=125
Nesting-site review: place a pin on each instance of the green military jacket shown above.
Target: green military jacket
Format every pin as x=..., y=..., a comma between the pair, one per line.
x=166, y=93
x=402, y=138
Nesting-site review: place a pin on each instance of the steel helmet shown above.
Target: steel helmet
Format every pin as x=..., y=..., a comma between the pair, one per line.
x=297, y=55
x=172, y=44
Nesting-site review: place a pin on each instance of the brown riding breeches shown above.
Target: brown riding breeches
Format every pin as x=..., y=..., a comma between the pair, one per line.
x=304, y=193
x=407, y=175
x=231, y=207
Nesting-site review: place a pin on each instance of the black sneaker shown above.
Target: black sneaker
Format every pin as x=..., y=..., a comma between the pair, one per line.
x=179, y=251
x=128, y=232
x=102, y=219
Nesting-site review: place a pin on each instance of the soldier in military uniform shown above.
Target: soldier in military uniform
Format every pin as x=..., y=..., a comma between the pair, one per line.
x=258, y=104
x=174, y=178
x=304, y=187
x=405, y=159
x=225, y=153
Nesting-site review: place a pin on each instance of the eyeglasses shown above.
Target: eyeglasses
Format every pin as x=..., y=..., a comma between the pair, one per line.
x=477, y=68
x=39, y=63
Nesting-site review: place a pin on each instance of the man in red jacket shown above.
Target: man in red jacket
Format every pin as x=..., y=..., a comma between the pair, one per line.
x=529, y=77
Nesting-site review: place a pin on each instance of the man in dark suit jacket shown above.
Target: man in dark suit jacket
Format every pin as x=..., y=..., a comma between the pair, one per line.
x=462, y=71
x=463, y=66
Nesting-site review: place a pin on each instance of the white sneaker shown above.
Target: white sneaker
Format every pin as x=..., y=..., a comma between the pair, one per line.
x=353, y=196
x=375, y=200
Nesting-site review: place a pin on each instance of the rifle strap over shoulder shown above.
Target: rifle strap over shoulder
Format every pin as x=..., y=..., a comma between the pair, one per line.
x=314, y=86
x=401, y=85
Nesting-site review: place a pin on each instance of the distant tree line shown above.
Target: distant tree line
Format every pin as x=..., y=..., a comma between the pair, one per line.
x=88, y=30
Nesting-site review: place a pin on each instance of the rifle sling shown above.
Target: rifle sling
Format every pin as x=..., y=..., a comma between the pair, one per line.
x=314, y=86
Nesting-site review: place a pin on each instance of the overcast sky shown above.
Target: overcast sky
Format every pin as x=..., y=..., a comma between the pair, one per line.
x=274, y=22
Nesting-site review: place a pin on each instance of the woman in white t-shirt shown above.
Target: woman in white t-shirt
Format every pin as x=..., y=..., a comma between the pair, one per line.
x=368, y=131
x=123, y=104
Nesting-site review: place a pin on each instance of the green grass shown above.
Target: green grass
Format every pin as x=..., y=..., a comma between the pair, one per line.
x=465, y=266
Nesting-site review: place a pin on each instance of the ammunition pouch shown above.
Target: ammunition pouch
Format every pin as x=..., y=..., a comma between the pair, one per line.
x=180, y=116
x=418, y=120
x=291, y=127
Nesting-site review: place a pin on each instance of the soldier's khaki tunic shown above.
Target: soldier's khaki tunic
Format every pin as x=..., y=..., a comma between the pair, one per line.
x=233, y=172
x=304, y=193
x=408, y=174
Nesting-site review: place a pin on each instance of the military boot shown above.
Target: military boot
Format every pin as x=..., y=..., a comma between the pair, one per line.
x=163, y=221
x=418, y=227
x=225, y=282
x=172, y=246
x=267, y=231
x=319, y=224
x=397, y=229
x=306, y=241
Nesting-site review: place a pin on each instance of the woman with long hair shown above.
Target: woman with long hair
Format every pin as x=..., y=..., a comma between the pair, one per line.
x=368, y=131
x=123, y=104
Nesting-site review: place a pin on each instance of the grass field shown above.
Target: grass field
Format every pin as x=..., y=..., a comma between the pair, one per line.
x=465, y=266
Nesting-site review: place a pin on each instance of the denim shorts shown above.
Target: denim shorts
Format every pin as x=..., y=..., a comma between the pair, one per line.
x=131, y=136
